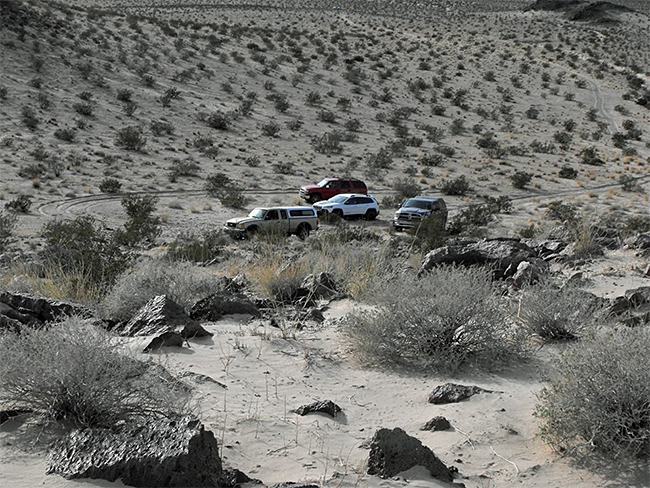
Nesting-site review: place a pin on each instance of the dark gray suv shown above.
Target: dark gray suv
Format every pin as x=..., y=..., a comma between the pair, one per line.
x=415, y=209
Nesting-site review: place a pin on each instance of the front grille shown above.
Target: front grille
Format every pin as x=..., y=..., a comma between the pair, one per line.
x=408, y=217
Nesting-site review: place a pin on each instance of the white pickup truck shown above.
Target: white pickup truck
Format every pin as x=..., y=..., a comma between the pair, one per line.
x=293, y=220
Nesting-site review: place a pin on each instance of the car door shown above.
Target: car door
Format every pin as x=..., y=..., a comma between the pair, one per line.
x=331, y=189
x=284, y=221
x=351, y=206
x=271, y=218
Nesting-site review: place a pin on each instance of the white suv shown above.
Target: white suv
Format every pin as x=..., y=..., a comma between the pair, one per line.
x=349, y=205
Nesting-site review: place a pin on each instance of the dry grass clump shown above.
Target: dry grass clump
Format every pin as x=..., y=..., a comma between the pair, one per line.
x=450, y=318
x=76, y=372
x=557, y=314
x=182, y=282
x=601, y=397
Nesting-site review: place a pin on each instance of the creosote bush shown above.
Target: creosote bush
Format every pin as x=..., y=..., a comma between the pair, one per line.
x=141, y=225
x=219, y=185
x=198, y=248
x=78, y=373
x=7, y=224
x=599, y=400
x=450, y=318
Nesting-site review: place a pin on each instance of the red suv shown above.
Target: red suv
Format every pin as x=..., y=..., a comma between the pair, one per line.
x=330, y=187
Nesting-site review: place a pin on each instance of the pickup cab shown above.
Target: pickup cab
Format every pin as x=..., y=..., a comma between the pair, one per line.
x=331, y=187
x=293, y=220
x=415, y=209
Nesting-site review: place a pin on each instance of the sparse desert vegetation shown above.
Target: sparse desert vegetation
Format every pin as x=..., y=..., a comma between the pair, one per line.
x=136, y=139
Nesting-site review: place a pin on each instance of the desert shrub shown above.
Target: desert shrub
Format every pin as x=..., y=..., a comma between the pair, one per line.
x=182, y=167
x=500, y=204
x=353, y=125
x=629, y=183
x=141, y=225
x=430, y=234
x=470, y=220
x=557, y=314
x=7, y=224
x=172, y=93
x=218, y=120
x=84, y=108
x=589, y=155
x=450, y=318
x=327, y=116
x=29, y=117
x=124, y=94
x=382, y=159
x=568, y=172
x=220, y=186
x=198, y=248
x=78, y=373
x=66, y=135
x=431, y=159
x=130, y=138
x=599, y=399
x=160, y=127
x=271, y=129
x=406, y=188
x=81, y=248
x=184, y=283
x=520, y=179
x=457, y=186
x=110, y=185
x=22, y=204
x=564, y=212
x=294, y=124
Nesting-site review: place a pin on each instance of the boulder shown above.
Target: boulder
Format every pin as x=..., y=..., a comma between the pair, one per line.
x=501, y=255
x=321, y=285
x=158, y=315
x=454, y=393
x=529, y=272
x=166, y=339
x=219, y=304
x=394, y=451
x=326, y=406
x=42, y=309
x=437, y=424
x=633, y=308
x=6, y=415
x=8, y=324
x=160, y=454
x=545, y=249
x=639, y=242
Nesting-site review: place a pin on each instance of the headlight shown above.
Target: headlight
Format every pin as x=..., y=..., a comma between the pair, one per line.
x=241, y=225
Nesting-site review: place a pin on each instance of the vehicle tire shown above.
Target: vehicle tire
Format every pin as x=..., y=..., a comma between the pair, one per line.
x=316, y=197
x=303, y=232
x=250, y=232
x=398, y=229
x=338, y=212
x=371, y=214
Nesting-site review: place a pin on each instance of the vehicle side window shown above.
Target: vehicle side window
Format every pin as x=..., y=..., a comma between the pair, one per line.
x=301, y=213
x=332, y=184
x=283, y=214
x=345, y=184
x=365, y=200
x=352, y=201
x=358, y=184
x=271, y=215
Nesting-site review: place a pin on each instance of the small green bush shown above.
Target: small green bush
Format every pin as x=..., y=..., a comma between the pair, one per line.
x=78, y=373
x=599, y=400
x=520, y=179
x=198, y=248
x=110, y=185
x=130, y=138
x=22, y=204
x=450, y=318
x=141, y=225
x=406, y=188
x=457, y=186
x=8, y=223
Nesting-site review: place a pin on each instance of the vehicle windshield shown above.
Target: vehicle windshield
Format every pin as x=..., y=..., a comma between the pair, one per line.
x=338, y=199
x=324, y=183
x=257, y=213
x=414, y=203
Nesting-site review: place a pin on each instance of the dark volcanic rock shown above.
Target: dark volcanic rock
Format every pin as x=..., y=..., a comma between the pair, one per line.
x=454, y=393
x=166, y=339
x=6, y=415
x=158, y=315
x=501, y=255
x=216, y=306
x=42, y=309
x=394, y=451
x=436, y=424
x=321, y=285
x=9, y=325
x=161, y=454
x=326, y=406
x=633, y=308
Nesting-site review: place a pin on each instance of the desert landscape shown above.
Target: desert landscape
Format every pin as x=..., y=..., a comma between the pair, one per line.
x=505, y=345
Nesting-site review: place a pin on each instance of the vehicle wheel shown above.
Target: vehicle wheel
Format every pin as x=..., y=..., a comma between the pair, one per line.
x=316, y=197
x=250, y=232
x=398, y=229
x=371, y=214
x=303, y=232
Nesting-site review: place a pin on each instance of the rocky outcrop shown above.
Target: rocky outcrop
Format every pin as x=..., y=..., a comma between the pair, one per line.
x=437, y=424
x=20, y=308
x=454, y=393
x=321, y=285
x=215, y=306
x=394, y=451
x=158, y=316
x=633, y=308
x=327, y=407
x=529, y=272
x=160, y=454
x=166, y=339
x=503, y=256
